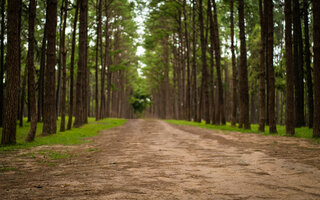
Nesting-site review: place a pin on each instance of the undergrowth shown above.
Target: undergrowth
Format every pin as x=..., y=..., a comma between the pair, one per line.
x=303, y=132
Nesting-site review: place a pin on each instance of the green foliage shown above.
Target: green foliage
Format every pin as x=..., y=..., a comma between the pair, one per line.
x=70, y=137
x=140, y=99
x=303, y=132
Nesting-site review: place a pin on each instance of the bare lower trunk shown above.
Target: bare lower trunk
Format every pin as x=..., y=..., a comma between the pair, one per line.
x=30, y=66
x=49, y=114
x=72, y=67
x=64, y=70
x=12, y=76
x=243, y=75
x=234, y=70
x=316, y=70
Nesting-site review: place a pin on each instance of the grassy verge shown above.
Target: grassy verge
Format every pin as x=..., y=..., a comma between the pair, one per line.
x=303, y=132
x=70, y=137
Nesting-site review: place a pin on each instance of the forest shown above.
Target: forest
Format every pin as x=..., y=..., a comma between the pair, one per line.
x=241, y=62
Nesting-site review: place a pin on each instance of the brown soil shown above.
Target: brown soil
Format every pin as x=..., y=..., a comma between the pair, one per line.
x=150, y=159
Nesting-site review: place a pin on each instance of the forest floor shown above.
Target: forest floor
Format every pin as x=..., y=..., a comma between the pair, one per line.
x=151, y=159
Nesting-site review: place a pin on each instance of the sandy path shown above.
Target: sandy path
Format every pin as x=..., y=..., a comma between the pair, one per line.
x=150, y=159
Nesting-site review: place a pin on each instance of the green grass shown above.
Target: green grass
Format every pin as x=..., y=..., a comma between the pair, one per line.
x=69, y=137
x=7, y=168
x=303, y=132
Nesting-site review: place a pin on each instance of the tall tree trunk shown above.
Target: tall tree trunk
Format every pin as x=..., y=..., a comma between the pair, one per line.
x=188, y=92
x=316, y=69
x=58, y=91
x=166, y=75
x=42, y=69
x=3, y=2
x=243, y=75
x=81, y=78
x=71, y=101
x=289, y=70
x=194, y=64
x=97, y=115
x=64, y=70
x=298, y=65
x=103, y=104
x=211, y=71
x=234, y=70
x=20, y=113
x=271, y=105
x=30, y=66
x=49, y=114
x=308, y=62
x=221, y=107
x=262, y=78
x=85, y=86
x=23, y=96
x=204, y=82
x=12, y=76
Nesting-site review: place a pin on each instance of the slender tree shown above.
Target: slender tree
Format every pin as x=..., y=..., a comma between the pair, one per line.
x=97, y=115
x=204, y=82
x=308, y=62
x=289, y=70
x=49, y=114
x=234, y=70
x=194, y=65
x=188, y=92
x=316, y=69
x=42, y=69
x=262, y=78
x=271, y=105
x=3, y=2
x=30, y=66
x=298, y=65
x=81, y=92
x=72, y=65
x=104, y=65
x=12, y=76
x=243, y=76
x=64, y=69
x=211, y=51
x=221, y=107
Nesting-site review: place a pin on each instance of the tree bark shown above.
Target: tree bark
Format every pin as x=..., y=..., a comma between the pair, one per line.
x=42, y=69
x=243, y=78
x=12, y=76
x=316, y=69
x=289, y=70
x=104, y=66
x=3, y=2
x=49, y=114
x=194, y=64
x=204, y=82
x=262, y=78
x=308, y=63
x=23, y=96
x=211, y=72
x=271, y=105
x=298, y=65
x=71, y=101
x=97, y=115
x=234, y=70
x=60, y=52
x=81, y=73
x=30, y=66
x=188, y=92
x=64, y=70
x=221, y=107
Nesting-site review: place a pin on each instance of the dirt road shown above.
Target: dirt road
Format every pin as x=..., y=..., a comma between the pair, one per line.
x=150, y=159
